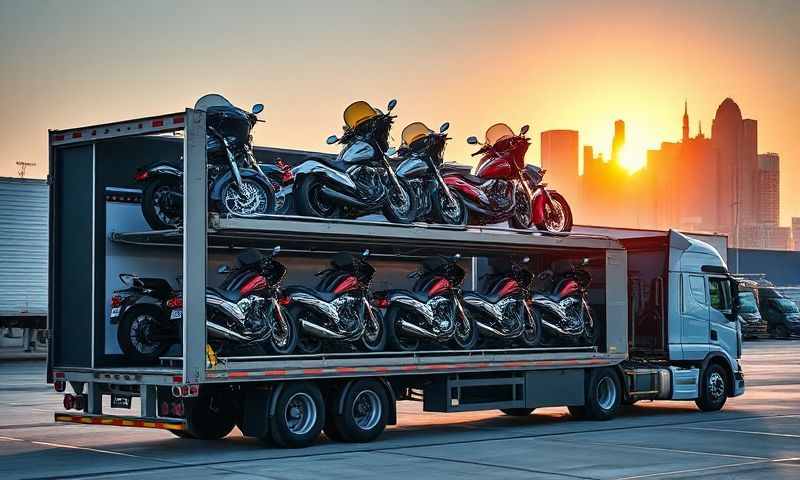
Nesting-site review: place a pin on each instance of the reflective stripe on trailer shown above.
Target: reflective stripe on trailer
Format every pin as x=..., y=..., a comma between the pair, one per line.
x=150, y=125
x=400, y=369
x=118, y=421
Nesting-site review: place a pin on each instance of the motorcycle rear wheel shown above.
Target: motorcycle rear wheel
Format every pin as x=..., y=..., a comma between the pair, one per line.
x=396, y=338
x=310, y=202
x=135, y=331
x=156, y=212
x=558, y=220
x=444, y=212
x=306, y=344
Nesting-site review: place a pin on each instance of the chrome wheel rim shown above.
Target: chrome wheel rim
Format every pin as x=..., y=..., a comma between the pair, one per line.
x=141, y=329
x=523, y=209
x=159, y=197
x=366, y=410
x=280, y=335
x=716, y=385
x=606, y=393
x=451, y=210
x=399, y=201
x=250, y=199
x=555, y=219
x=300, y=413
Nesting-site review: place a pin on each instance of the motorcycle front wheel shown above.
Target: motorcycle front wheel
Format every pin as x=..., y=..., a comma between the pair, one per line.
x=446, y=211
x=310, y=201
x=306, y=344
x=374, y=336
x=557, y=218
x=466, y=335
x=159, y=205
x=401, y=204
x=532, y=334
x=255, y=197
x=285, y=334
x=139, y=333
x=522, y=218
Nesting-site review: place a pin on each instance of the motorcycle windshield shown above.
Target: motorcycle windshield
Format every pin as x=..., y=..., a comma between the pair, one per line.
x=498, y=132
x=415, y=131
x=212, y=100
x=358, y=113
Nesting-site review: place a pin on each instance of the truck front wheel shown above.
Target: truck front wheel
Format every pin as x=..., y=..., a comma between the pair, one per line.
x=603, y=396
x=713, y=389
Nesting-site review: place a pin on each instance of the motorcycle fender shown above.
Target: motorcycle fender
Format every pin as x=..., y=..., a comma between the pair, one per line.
x=539, y=199
x=313, y=167
x=315, y=304
x=471, y=192
x=402, y=300
x=216, y=189
x=127, y=303
x=164, y=170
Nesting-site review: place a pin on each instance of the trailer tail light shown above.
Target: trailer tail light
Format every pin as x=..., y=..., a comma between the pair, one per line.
x=116, y=300
x=175, y=303
x=80, y=402
x=60, y=386
x=182, y=391
x=141, y=175
x=69, y=401
x=163, y=409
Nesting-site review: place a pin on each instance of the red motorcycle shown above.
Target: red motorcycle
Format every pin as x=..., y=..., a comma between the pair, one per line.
x=504, y=189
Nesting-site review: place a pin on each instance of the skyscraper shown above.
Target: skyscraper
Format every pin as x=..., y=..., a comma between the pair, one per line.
x=768, y=188
x=618, y=142
x=685, y=121
x=559, y=156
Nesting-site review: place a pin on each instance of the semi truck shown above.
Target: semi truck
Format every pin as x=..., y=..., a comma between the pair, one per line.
x=665, y=306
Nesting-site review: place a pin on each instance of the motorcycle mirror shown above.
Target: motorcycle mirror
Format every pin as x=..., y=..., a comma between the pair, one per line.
x=444, y=127
x=473, y=140
x=332, y=139
x=524, y=129
x=276, y=250
x=392, y=104
x=258, y=108
x=526, y=259
x=365, y=253
x=223, y=269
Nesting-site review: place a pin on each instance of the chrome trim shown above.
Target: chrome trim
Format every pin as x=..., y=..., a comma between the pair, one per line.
x=357, y=152
x=315, y=303
x=226, y=333
x=314, y=167
x=415, y=330
x=319, y=331
x=228, y=307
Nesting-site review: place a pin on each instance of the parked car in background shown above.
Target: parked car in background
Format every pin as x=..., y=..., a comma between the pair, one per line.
x=753, y=324
x=780, y=312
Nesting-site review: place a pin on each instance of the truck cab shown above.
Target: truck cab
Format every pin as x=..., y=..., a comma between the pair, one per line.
x=780, y=312
x=750, y=318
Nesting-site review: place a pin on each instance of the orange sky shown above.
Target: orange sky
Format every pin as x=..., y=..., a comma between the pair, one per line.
x=577, y=65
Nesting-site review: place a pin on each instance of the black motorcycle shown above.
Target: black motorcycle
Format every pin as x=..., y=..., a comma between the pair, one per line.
x=361, y=179
x=422, y=154
x=247, y=309
x=432, y=310
x=502, y=311
x=237, y=185
x=561, y=298
x=338, y=310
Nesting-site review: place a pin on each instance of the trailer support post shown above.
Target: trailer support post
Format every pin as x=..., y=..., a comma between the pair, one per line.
x=94, y=399
x=149, y=403
x=195, y=251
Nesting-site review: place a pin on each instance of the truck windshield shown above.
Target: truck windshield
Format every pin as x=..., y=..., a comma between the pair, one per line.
x=787, y=306
x=747, y=302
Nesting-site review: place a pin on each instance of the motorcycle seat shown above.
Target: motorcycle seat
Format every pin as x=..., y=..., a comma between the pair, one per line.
x=229, y=295
x=326, y=297
x=468, y=177
x=337, y=165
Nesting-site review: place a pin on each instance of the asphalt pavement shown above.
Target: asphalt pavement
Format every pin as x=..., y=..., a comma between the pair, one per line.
x=755, y=436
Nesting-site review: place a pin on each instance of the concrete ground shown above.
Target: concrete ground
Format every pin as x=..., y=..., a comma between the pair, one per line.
x=755, y=436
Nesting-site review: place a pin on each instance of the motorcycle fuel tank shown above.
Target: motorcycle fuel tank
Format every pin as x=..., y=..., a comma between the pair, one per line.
x=497, y=167
x=357, y=152
x=412, y=167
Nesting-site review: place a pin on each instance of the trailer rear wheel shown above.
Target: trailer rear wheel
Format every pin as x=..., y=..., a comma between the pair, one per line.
x=713, y=389
x=299, y=415
x=517, y=412
x=603, y=396
x=209, y=416
x=364, y=412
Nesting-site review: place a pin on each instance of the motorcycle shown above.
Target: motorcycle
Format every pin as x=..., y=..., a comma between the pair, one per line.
x=560, y=297
x=422, y=155
x=246, y=309
x=504, y=189
x=360, y=180
x=237, y=185
x=432, y=310
x=339, y=308
x=503, y=311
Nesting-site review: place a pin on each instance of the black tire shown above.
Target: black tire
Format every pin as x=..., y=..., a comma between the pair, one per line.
x=306, y=344
x=713, y=388
x=557, y=198
x=603, y=395
x=459, y=214
x=288, y=333
x=299, y=415
x=309, y=201
x=532, y=337
x=395, y=337
x=390, y=212
x=374, y=338
x=463, y=340
x=517, y=412
x=780, y=331
x=364, y=412
x=522, y=219
x=232, y=202
x=160, y=216
x=210, y=416
x=134, y=330
x=332, y=405
x=182, y=434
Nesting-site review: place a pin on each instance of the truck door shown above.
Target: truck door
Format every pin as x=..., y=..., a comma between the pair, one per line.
x=723, y=322
x=694, y=317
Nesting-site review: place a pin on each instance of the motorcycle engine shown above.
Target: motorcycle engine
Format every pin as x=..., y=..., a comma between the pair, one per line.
x=348, y=308
x=369, y=184
x=499, y=193
x=256, y=319
x=443, y=314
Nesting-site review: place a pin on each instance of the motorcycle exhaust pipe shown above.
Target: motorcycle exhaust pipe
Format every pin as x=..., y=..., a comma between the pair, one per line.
x=415, y=330
x=560, y=330
x=491, y=331
x=318, y=331
x=343, y=198
x=221, y=332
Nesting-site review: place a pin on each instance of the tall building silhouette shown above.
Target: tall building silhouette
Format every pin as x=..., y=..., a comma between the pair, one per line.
x=768, y=188
x=618, y=142
x=559, y=156
x=685, y=137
